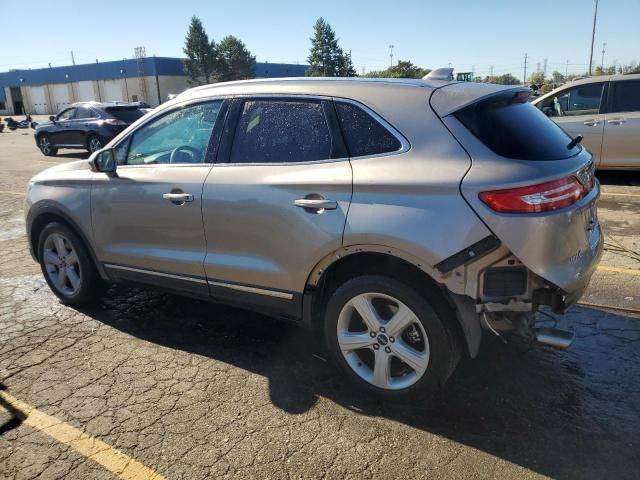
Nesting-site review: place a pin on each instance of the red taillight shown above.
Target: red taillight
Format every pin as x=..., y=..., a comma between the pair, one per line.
x=542, y=197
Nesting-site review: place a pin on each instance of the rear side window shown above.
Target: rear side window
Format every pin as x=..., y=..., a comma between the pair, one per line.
x=281, y=131
x=125, y=114
x=363, y=133
x=626, y=96
x=514, y=128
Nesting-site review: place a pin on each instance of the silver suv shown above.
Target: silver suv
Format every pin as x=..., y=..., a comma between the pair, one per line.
x=605, y=110
x=400, y=218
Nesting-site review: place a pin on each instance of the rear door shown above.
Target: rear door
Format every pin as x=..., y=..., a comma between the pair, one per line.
x=577, y=110
x=147, y=217
x=621, y=143
x=277, y=202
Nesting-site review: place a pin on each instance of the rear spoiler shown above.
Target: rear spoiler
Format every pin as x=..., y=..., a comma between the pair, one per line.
x=456, y=96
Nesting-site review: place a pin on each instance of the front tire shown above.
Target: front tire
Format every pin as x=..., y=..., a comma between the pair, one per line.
x=387, y=338
x=67, y=266
x=46, y=146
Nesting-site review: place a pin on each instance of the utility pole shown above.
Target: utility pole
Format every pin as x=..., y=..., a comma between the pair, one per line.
x=391, y=47
x=73, y=60
x=604, y=45
x=524, y=77
x=490, y=73
x=566, y=71
x=545, y=69
x=593, y=36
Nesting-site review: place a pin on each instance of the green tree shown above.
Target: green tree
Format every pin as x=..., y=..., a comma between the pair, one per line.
x=506, y=79
x=236, y=61
x=403, y=69
x=537, y=78
x=326, y=58
x=201, y=62
x=558, y=78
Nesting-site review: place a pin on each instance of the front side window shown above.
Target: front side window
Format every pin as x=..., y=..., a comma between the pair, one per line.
x=580, y=100
x=626, y=96
x=281, y=131
x=67, y=115
x=363, y=133
x=181, y=136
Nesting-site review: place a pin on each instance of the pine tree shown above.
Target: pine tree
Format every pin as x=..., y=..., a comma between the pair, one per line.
x=201, y=62
x=326, y=58
x=236, y=61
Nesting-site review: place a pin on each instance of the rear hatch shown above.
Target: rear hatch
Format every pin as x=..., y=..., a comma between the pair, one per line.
x=529, y=183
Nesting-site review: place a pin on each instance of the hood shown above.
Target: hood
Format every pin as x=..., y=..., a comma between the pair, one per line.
x=57, y=172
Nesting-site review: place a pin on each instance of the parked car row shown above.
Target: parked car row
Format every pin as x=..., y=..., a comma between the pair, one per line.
x=86, y=125
x=605, y=110
x=397, y=219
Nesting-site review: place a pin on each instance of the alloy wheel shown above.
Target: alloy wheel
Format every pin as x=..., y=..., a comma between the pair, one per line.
x=94, y=144
x=62, y=264
x=383, y=341
x=45, y=145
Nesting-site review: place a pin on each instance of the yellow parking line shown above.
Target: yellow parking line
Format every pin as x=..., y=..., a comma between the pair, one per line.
x=620, y=194
x=629, y=271
x=96, y=450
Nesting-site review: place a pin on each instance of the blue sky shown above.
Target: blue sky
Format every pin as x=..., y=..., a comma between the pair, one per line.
x=465, y=33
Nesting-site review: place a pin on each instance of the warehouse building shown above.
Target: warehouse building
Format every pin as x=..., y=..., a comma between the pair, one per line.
x=148, y=79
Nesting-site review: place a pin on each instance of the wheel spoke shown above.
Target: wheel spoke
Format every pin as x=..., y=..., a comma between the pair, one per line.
x=71, y=258
x=51, y=258
x=61, y=280
x=401, y=320
x=417, y=360
x=60, y=248
x=73, y=277
x=354, y=341
x=365, y=309
x=381, y=370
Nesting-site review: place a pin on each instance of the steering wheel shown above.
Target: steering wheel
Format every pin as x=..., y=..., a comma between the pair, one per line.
x=192, y=154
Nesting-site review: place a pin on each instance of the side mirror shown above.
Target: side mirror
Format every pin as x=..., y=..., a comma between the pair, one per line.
x=52, y=118
x=103, y=161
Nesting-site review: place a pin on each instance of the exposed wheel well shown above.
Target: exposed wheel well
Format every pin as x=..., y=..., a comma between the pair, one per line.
x=44, y=219
x=370, y=263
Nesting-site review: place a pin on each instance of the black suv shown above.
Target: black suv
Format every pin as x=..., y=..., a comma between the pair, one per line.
x=88, y=125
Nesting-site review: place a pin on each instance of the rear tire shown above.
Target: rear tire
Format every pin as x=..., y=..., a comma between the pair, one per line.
x=67, y=266
x=94, y=143
x=46, y=146
x=402, y=350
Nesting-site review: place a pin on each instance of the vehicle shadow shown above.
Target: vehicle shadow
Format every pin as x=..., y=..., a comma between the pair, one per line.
x=561, y=414
x=76, y=155
x=617, y=177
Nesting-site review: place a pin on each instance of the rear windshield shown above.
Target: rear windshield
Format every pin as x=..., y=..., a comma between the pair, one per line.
x=126, y=114
x=514, y=128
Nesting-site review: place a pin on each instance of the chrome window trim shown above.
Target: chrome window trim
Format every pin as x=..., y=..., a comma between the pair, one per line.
x=152, y=272
x=259, y=291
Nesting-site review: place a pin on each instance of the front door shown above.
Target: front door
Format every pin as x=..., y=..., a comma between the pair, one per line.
x=279, y=203
x=147, y=217
x=577, y=111
x=621, y=144
x=61, y=132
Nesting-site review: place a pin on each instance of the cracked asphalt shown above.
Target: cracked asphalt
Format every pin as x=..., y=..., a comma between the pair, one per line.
x=194, y=390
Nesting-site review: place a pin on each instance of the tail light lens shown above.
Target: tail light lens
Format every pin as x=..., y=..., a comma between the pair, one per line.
x=542, y=197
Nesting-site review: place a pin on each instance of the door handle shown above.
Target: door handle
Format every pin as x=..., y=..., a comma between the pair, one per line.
x=178, y=198
x=590, y=123
x=616, y=121
x=316, y=203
